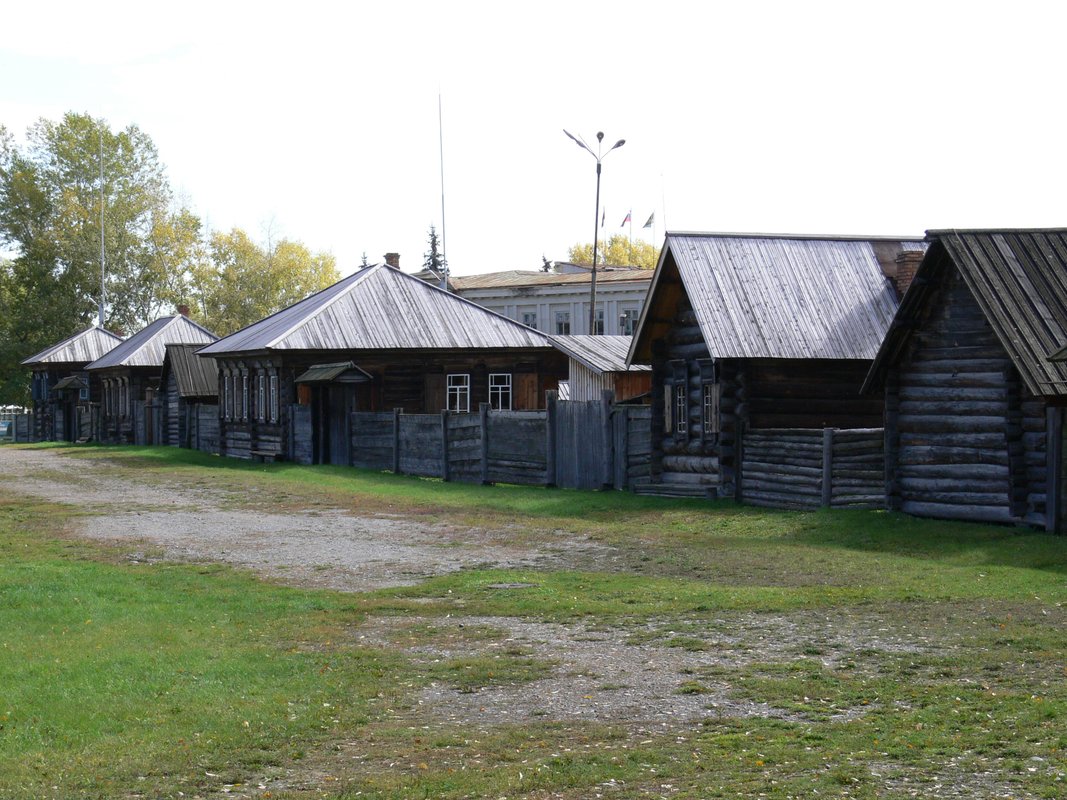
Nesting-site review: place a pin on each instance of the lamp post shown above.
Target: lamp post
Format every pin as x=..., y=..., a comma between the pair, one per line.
x=599, y=156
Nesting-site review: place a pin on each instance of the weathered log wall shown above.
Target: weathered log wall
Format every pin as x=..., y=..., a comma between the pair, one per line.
x=964, y=438
x=809, y=468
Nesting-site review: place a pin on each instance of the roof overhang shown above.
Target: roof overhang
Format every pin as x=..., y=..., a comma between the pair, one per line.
x=340, y=372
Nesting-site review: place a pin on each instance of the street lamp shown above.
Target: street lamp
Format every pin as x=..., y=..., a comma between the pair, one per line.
x=599, y=156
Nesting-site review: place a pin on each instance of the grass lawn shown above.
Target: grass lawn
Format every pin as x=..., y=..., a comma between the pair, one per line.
x=132, y=679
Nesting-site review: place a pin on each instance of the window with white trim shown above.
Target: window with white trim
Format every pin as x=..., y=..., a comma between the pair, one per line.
x=529, y=319
x=563, y=323
x=628, y=321
x=598, y=322
x=500, y=391
x=261, y=396
x=244, y=396
x=274, y=397
x=710, y=392
x=459, y=393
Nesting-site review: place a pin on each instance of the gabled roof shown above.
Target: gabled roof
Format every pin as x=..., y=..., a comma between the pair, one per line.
x=380, y=308
x=81, y=348
x=598, y=353
x=341, y=372
x=146, y=347
x=775, y=295
x=194, y=376
x=1018, y=278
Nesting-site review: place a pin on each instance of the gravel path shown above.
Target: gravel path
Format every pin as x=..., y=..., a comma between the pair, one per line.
x=309, y=547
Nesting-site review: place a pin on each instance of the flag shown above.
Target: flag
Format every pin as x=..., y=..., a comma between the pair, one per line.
x=603, y=217
x=651, y=219
x=623, y=225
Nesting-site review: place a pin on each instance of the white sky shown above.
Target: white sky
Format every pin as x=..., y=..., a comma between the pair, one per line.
x=321, y=119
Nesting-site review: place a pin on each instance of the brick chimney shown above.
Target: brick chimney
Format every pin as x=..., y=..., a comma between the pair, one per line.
x=392, y=260
x=183, y=310
x=907, y=262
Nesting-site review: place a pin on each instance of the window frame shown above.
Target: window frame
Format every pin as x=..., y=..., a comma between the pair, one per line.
x=275, y=398
x=498, y=390
x=710, y=398
x=458, y=386
x=563, y=319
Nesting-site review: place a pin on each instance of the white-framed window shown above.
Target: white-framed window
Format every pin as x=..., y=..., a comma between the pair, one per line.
x=500, y=391
x=459, y=393
x=563, y=323
x=710, y=392
x=628, y=321
x=274, y=399
x=261, y=396
x=681, y=410
x=227, y=396
x=598, y=322
x=678, y=398
x=245, y=399
x=529, y=319
x=710, y=408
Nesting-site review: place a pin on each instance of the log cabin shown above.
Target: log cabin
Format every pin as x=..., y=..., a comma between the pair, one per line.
x=64, y=393
x=973, y=404
x=377, y=340
x=189, y=398
x=760, y=331
x=130, y=375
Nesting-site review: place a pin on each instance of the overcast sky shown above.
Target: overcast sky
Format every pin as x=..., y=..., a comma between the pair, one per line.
x=320, y=120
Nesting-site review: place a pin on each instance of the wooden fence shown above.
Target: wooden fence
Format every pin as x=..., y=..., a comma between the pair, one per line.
x=580, y=445
x=809, y=468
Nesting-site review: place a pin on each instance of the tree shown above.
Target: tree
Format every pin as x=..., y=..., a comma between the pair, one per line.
x=50, y=219
x=241, y=282
x=434, y=260
x=616, y=251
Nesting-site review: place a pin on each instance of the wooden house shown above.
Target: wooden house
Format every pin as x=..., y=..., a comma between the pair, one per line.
x=189, y=398
x=598, y=364
x=64, y=393
x=130, y=375
x=974, y=406
x=377, y=340
x=754, y=331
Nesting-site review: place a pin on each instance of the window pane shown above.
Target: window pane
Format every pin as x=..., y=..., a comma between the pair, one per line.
x=500, y=391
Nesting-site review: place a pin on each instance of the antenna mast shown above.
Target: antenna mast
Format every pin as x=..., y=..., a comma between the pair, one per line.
x=441, y=142
x=103, y=274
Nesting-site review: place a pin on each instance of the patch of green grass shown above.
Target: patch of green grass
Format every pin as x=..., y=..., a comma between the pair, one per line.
x=115, y=676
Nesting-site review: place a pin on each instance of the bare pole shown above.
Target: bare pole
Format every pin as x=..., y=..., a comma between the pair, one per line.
x=103, y=272
x=441, y=143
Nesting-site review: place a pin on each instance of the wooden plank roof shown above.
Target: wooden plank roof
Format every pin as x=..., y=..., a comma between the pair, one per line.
x=776, y=295
x=146, y=348
x=599, y=353
x=195, y=376
x=380, y=308
x=1018, y=278
x=81, y=348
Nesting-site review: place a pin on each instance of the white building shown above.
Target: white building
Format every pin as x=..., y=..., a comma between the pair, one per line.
x=557, y=303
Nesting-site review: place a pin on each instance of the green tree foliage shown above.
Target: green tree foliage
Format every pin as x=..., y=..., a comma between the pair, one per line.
x=616, y=251
x=241, y=281
x=434, y=259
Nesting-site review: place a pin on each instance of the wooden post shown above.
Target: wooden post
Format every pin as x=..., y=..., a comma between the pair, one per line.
x=827, y=467
x=607, y=460
x=622, y=447
x=1053, y=467
x=483, y=419
x=396, y=440
x=551, y=400
x=444, y=444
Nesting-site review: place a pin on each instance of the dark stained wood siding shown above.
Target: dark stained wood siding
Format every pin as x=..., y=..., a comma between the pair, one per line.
x=965, y=439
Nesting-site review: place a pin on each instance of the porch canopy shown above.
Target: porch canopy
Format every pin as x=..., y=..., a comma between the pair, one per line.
x=340, y=372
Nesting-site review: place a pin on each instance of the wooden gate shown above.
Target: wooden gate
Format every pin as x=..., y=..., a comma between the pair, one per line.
x=583, y=445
